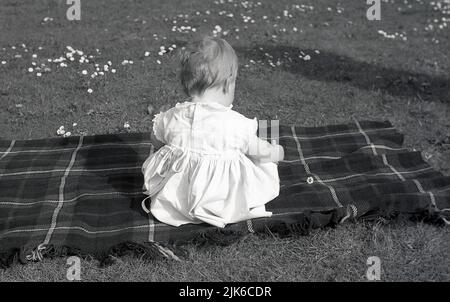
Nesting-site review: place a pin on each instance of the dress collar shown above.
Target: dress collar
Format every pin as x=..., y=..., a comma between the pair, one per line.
x=208, y=104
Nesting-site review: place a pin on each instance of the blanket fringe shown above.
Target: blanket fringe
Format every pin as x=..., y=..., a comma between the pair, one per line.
x=301, y=224
x=445, y=216
x=167, y=252
x=36, y=254
x=146, y=251
x=220, y=237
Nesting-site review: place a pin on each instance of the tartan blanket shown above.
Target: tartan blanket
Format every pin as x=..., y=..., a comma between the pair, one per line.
x=85, y=193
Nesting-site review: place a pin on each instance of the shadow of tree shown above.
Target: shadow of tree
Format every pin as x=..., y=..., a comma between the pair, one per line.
x=330, y=67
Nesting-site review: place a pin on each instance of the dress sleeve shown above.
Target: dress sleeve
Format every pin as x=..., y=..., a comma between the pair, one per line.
x=253, y=126
x=158, y=126
x=251, y=132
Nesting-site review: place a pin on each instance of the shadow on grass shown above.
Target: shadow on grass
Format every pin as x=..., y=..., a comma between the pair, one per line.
x=330, y=67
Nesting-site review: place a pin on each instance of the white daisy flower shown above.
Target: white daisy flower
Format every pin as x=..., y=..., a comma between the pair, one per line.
x=60, y=131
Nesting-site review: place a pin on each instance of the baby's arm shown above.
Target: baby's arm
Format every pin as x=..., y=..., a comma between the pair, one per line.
x=157, y=133
x=157, y=144
x=264, y=152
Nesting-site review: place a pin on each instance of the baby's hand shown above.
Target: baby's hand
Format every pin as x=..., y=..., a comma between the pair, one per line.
x=278, y=152
x=265, y=152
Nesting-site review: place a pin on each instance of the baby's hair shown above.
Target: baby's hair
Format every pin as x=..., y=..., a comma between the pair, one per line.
x=207, y=63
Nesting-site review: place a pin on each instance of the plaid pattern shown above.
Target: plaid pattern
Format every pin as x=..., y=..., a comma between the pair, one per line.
x=86, y=192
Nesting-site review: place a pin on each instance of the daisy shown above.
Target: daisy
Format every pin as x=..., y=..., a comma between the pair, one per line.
x=60, y=131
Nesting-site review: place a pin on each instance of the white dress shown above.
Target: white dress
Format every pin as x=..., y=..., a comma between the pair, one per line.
x=202, y=174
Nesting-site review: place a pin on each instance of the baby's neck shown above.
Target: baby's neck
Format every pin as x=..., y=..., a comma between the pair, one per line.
x=214, y=95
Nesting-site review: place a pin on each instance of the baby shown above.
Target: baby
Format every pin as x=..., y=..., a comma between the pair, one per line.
x=211, y=166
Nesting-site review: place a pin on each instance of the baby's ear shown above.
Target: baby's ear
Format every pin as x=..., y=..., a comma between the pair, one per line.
x=228, y=82
x=226, y=86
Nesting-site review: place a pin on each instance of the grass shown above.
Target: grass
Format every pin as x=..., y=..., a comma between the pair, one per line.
x=408, y=252
x=353, y=70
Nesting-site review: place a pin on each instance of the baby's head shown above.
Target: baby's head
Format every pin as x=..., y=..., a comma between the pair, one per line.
x=209, y=65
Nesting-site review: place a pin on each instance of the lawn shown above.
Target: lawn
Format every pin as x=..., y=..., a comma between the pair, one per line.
x=305, y=62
